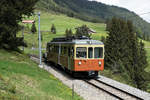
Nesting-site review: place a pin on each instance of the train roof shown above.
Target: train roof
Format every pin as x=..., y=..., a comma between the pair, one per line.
x=76, y=40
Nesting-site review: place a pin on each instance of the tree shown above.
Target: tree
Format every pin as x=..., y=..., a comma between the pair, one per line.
x=70, y=14
x=103, y=39
x=138, y=60
x=108, y=24
x=115, y=47
x=82, y=31
x=68, y=33
x=11, y=13
x=33, y=28
x=124, y=53
x=53, y=29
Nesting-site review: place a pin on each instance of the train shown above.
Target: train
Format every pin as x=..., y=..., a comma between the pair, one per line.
x=80, y=56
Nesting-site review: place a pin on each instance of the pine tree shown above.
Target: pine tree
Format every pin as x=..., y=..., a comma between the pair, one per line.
x=11, y=13
x=108, y=24
x=124, y=53
x=115, y=47
x=53, y=29
x=33, y=28
x=78, y=32
x=144, y=37
x=68, y=33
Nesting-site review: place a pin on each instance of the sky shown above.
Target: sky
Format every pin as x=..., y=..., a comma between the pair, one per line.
x=137, y=6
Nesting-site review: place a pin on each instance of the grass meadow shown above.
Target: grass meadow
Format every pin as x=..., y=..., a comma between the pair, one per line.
x=61, y=22
x=21, y=79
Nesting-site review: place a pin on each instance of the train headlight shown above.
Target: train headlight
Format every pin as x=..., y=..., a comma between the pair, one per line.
x=99, y=62
x=80, y=63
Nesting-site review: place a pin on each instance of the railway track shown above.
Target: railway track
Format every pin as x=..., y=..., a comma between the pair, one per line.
x=103, y=89
x=113, y=88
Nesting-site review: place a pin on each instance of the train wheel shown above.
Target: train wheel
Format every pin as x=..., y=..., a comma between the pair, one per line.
x=96, y=73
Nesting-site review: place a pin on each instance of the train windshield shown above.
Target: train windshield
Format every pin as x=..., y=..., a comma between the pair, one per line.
x=90, y=52
x=81, y=52
x=98, y=52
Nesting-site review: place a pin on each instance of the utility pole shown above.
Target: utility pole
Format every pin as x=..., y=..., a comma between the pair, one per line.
x=40, y=53
x=23, y=36
x=72, y=90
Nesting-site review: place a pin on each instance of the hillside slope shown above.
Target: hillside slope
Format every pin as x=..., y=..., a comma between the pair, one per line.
x=61, y=22
x=93, y=11
x=21, y=79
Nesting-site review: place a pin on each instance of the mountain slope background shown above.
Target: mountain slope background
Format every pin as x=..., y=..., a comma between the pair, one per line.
x=94, y=12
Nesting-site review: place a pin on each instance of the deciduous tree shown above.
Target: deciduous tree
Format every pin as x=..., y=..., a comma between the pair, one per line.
x=82, y=31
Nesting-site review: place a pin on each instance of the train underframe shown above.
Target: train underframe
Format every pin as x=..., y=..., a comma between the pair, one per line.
x=88, y=74
x=82, y=74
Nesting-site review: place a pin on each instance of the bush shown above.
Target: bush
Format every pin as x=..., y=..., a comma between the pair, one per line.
x=53, y=29
x=33, y=28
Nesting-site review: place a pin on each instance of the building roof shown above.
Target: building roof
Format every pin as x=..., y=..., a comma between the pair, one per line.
x=28, y=21
x=91, y=30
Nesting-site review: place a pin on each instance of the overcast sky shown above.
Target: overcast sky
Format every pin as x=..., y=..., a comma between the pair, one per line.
x=138, y=6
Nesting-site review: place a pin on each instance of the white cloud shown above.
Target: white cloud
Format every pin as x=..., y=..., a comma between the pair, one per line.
x=138, y=6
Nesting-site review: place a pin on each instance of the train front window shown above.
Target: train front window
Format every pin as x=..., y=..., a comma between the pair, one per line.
x=81, y=52
x=90, y=52
x=98, y=52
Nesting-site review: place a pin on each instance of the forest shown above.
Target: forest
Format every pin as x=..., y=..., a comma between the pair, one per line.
x=95, y=12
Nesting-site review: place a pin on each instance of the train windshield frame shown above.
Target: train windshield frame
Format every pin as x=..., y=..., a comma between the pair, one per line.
x=98, y=52
x=81, y=52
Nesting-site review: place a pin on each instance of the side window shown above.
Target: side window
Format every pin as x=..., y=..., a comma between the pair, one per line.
x=90, y=52
x=49, y=48
x=69, y=51
x=81, y=52
x=52, y=47
x=65, y=50
x=72, y=51
x=98, y=52
x=62, y=49
x=56, y=49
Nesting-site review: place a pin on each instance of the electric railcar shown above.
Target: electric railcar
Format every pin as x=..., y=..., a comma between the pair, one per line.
x=79, y=56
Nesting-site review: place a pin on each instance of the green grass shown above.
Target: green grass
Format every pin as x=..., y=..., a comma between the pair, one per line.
x=116, y=76
x=20, y=78
x=61, y=22
x=146, y=43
